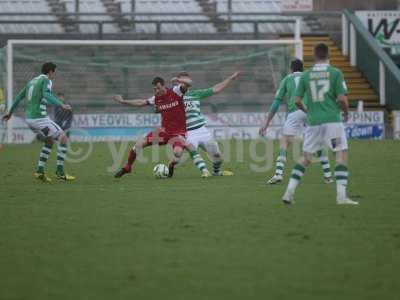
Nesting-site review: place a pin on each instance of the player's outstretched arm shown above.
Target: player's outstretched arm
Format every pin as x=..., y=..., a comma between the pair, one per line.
x=279, y=96
x=135, y=102
x=184, y=83
x=344, y=105
x=219, y=87
x=271, y=114
x=21, y=95
x=182, y=80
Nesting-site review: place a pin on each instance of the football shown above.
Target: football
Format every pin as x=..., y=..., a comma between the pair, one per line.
x=160, y=171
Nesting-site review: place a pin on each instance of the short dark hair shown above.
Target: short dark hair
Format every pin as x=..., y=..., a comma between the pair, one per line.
x=157, y=80
x=297, y=65
x=321, y=51
x=183, y=74
x=47, y=67
x=60, y=94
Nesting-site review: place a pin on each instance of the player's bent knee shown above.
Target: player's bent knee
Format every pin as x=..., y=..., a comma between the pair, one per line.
x=306, y=160
x=178, y=151
x=190, y=147
x=49, y=141
x=63, y=138
x=140, y=144
x=341, y=157
x=217, y=157
x=285, y=141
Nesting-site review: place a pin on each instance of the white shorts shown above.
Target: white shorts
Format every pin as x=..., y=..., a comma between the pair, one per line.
x=202, y=137
x=331, y=135
x=295, y=123
x=44, y=127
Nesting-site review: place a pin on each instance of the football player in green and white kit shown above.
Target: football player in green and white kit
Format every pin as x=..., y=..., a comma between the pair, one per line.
x=325, y=93
x=294, y=124
x=197, y=133
x=38, y=94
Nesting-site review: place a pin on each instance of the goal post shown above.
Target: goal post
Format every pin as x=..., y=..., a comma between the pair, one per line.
x=84, y=60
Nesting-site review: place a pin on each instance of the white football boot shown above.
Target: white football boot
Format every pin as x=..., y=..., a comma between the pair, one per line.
x=346, y=201
x=275, y=179
x=288, y=198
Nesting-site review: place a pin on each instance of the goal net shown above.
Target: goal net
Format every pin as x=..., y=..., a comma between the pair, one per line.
x=89, y=73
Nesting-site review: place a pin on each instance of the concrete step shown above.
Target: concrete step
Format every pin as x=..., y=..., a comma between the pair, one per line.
x=358, y=91
x=339, y=59
x=349, y=76
x=317, y=38
x=311, y=47
x=310, y=52
x=335, y=63
x=332, y=51
x=366, y=98
x=358, y=86
x=344, y=68
x=361, y=80
x=313, y=43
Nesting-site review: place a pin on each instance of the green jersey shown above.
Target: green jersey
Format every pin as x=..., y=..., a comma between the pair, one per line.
x=38, y=95
x=320, y=86
x=287, y=90
x=194, y=118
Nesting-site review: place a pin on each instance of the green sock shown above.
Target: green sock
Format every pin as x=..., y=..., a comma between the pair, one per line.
x=280, y=162
x=198, y=161
x=323, y=158
x=44, y=156
x=61, y=154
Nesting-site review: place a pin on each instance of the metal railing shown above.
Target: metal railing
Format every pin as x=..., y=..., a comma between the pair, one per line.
x=371, y=59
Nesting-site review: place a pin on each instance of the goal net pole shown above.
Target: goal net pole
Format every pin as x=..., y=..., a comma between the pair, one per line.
x=10, y=86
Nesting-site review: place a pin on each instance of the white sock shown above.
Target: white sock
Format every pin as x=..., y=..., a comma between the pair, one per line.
x=341, y=191
x=293, y=183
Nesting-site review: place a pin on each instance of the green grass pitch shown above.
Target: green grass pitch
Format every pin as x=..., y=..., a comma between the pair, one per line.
x=188, y=238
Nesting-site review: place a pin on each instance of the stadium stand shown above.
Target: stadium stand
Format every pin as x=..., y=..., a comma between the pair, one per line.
x=207, y=10
x=59, y=9
x=169, y=6
x=28, y=6
x=92, y=6
x=257, y=6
